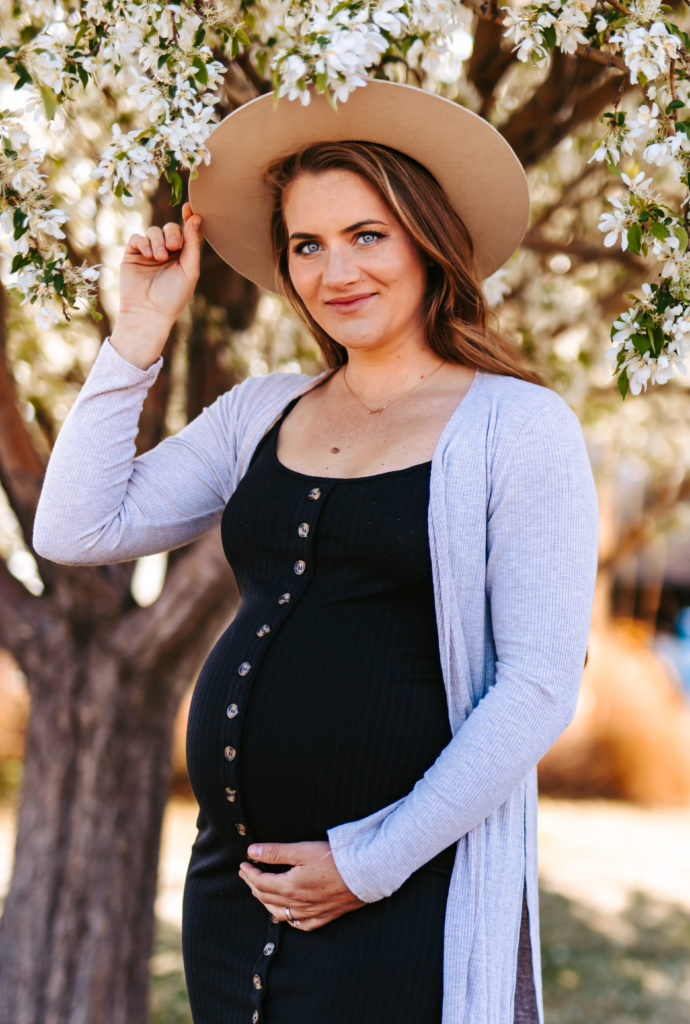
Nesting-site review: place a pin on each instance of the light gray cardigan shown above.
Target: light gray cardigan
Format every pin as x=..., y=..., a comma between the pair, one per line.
x=512, y=533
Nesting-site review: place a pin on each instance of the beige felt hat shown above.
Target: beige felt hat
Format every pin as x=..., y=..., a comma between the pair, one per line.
x=472, y=162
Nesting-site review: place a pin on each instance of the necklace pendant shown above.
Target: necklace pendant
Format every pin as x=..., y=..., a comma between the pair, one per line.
x=372, y=412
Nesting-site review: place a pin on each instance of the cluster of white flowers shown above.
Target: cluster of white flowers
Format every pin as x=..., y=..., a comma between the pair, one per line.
x=159, y=60
x=647, y=50
x=39, y=268
x=651, y=340
x=537, y=28
x=152, y=53
x=333, y=46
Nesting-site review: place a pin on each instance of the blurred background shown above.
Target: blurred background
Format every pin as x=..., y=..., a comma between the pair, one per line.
x=102, y=660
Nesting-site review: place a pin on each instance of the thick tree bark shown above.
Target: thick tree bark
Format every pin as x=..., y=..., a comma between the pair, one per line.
x=78, y=920
x=76, y=934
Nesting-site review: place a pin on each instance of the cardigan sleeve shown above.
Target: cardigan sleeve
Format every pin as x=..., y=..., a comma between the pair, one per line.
x=100, y=504
x=541, y=554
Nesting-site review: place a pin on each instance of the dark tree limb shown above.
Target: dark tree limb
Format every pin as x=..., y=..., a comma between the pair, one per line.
x=21, y=469
x=19, y=616
x=562, y=102
x=583, y=251
x=491, y=10
x=198, y=588
x=488, y=62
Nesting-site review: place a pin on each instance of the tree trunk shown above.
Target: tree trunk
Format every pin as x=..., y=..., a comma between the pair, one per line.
x=83, y=888
x=105, y=684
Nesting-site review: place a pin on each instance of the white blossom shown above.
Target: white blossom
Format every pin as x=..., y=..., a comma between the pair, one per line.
x=647, y=51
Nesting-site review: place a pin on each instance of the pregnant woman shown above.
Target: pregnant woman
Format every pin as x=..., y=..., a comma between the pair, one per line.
x=413, y=534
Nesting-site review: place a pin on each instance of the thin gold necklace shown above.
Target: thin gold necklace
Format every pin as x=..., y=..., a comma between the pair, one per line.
x=380, y=408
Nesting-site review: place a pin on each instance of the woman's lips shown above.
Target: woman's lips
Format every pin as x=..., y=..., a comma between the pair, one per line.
x=350, y=303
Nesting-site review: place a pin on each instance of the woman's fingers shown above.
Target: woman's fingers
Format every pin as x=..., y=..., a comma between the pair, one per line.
x=140, y=244
x=157, y=239
x=172, y=235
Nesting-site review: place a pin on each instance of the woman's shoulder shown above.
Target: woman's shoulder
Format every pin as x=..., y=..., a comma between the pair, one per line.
x=511, y=403
x=255, y=394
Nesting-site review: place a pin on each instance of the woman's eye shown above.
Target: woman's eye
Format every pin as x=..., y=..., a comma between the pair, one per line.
x=307, y=248
x=367, y=237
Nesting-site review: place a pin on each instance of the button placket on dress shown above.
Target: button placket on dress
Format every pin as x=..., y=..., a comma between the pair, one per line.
x=299, y=569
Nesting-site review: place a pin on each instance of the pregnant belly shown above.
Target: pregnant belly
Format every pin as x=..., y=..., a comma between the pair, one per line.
x=319, y=733
x=333, y=738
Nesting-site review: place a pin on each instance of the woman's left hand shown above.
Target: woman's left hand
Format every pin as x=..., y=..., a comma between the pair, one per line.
x=312, y=888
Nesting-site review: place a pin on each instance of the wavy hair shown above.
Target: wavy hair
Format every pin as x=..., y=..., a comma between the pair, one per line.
x=455, y=310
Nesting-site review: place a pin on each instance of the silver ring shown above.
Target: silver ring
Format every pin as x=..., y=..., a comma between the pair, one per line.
x=291, y=919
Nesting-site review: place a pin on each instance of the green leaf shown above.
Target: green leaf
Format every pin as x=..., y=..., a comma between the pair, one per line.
x=23, y=76
x=242, y=37
x=635, y=238
x=641, y=343
x=548, y=34
x=682, y=236
x=4, y=50
x=643, y=216
x=83, y=75
x=658, y=339
x=50, y=101
x=659, y=231
x=199, y=36
x=201, y=70
x=674, y=105
x=176, y=185
x=59, y=283
x=623, y=384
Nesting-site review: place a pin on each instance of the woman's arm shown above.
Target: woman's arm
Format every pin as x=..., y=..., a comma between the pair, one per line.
x=99, y=503
x=541, y=565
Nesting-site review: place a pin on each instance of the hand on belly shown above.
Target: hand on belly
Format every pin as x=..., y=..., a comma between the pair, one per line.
x=312, y=888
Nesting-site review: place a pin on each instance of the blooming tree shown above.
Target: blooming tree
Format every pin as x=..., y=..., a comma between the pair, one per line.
x=107, y=107
x=168, y=61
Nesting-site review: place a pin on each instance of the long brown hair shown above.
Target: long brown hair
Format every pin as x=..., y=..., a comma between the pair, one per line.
x=455, y=309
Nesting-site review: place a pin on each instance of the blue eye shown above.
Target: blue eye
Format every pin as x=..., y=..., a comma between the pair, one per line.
x=308, y=248
x=367, y=237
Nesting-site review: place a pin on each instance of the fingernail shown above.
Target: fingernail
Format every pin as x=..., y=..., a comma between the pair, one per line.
x=255, y=852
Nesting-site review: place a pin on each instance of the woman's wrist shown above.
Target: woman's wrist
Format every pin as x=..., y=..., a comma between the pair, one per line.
x=140, y=341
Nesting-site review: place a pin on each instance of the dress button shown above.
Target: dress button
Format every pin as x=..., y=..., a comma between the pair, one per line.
x=299, y=567
x=257, y=982
x=230, y=753
x=263, y=630
x=230, y=795
x=285, y=599
x=242, y=829
x=244, y=668
x=268, y=948
x=232, y=711
x=303, y=529
x=314, y=494
x=255, y=1017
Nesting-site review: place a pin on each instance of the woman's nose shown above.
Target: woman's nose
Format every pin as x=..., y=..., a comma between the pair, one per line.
x=340, y=267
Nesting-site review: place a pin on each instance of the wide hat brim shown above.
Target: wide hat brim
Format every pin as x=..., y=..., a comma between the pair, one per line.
x=473, y=163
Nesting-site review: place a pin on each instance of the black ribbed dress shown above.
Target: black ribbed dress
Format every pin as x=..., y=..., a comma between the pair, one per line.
x=321, y=703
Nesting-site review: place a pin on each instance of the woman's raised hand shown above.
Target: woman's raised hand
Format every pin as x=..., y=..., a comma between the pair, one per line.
x=158, y=274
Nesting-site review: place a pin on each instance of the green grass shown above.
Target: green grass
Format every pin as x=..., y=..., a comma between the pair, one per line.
x=590, y=977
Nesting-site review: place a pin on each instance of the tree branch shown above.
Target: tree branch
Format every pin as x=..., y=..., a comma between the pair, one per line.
x=18, y=613
x=546, y=119
x=198, y=596
x=21, y=469
x=489, y=10
x=583, y=251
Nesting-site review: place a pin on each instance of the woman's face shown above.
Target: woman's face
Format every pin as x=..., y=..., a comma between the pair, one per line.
x=352, y=264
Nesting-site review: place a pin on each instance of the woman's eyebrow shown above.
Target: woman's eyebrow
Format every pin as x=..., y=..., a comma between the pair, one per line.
x=345, y=231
